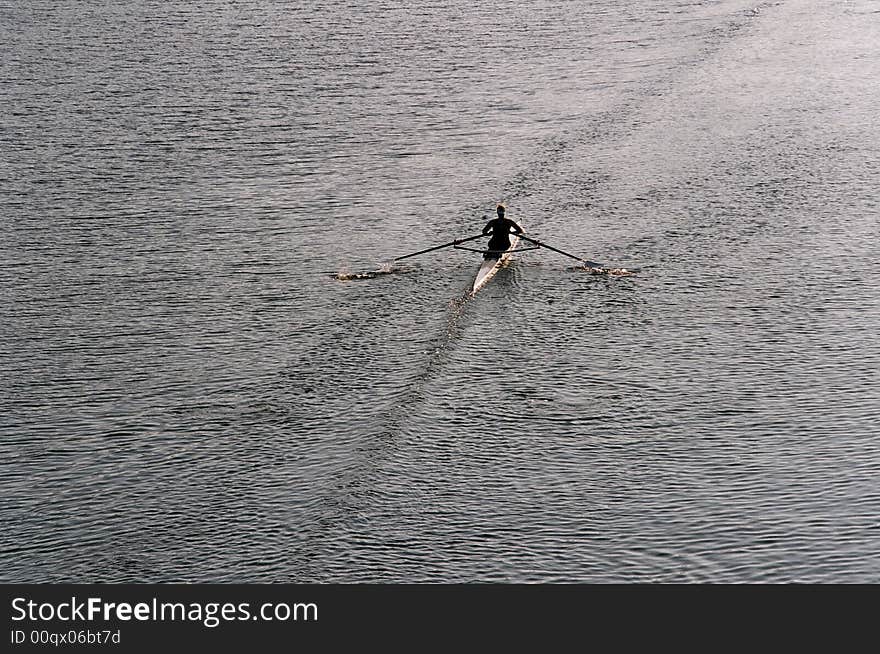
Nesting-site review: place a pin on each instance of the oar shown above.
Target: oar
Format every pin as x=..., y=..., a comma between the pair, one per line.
x=589, y=264
x=438, y=247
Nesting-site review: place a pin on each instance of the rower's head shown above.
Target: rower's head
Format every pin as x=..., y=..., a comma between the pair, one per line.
x=500, y=210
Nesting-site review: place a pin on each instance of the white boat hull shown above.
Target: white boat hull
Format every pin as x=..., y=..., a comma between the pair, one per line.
x=490, y=267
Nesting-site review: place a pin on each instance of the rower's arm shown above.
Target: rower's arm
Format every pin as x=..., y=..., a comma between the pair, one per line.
x=488, y=227
x=516, y=228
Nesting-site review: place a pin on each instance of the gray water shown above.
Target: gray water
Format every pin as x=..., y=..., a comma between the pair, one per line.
x=189, y=392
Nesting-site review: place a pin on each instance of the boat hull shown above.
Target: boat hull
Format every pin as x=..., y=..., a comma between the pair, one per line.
x=490, y=267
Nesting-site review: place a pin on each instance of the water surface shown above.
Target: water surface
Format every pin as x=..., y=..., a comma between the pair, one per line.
x=189, y=393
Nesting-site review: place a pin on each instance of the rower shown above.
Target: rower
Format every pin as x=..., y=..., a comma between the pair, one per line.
x=501, y=229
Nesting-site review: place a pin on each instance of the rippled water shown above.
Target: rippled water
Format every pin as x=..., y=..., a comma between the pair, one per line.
x=188, y=393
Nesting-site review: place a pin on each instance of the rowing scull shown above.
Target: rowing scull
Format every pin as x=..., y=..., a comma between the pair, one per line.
x=490, y=267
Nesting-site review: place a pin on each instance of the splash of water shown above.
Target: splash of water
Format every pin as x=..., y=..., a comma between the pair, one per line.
x=619, y=272
x=386, y=268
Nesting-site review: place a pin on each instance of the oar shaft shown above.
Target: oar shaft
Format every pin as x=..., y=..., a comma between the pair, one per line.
x=541, y=244
x=550, y=247
x=439, y=247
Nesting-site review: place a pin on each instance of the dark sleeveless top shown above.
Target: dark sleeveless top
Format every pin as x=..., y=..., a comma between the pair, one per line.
x=500, y=228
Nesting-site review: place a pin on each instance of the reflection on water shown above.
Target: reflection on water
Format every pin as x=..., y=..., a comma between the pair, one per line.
x=192, y=390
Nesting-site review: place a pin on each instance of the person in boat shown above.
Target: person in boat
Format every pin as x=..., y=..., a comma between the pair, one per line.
x=501, y=229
